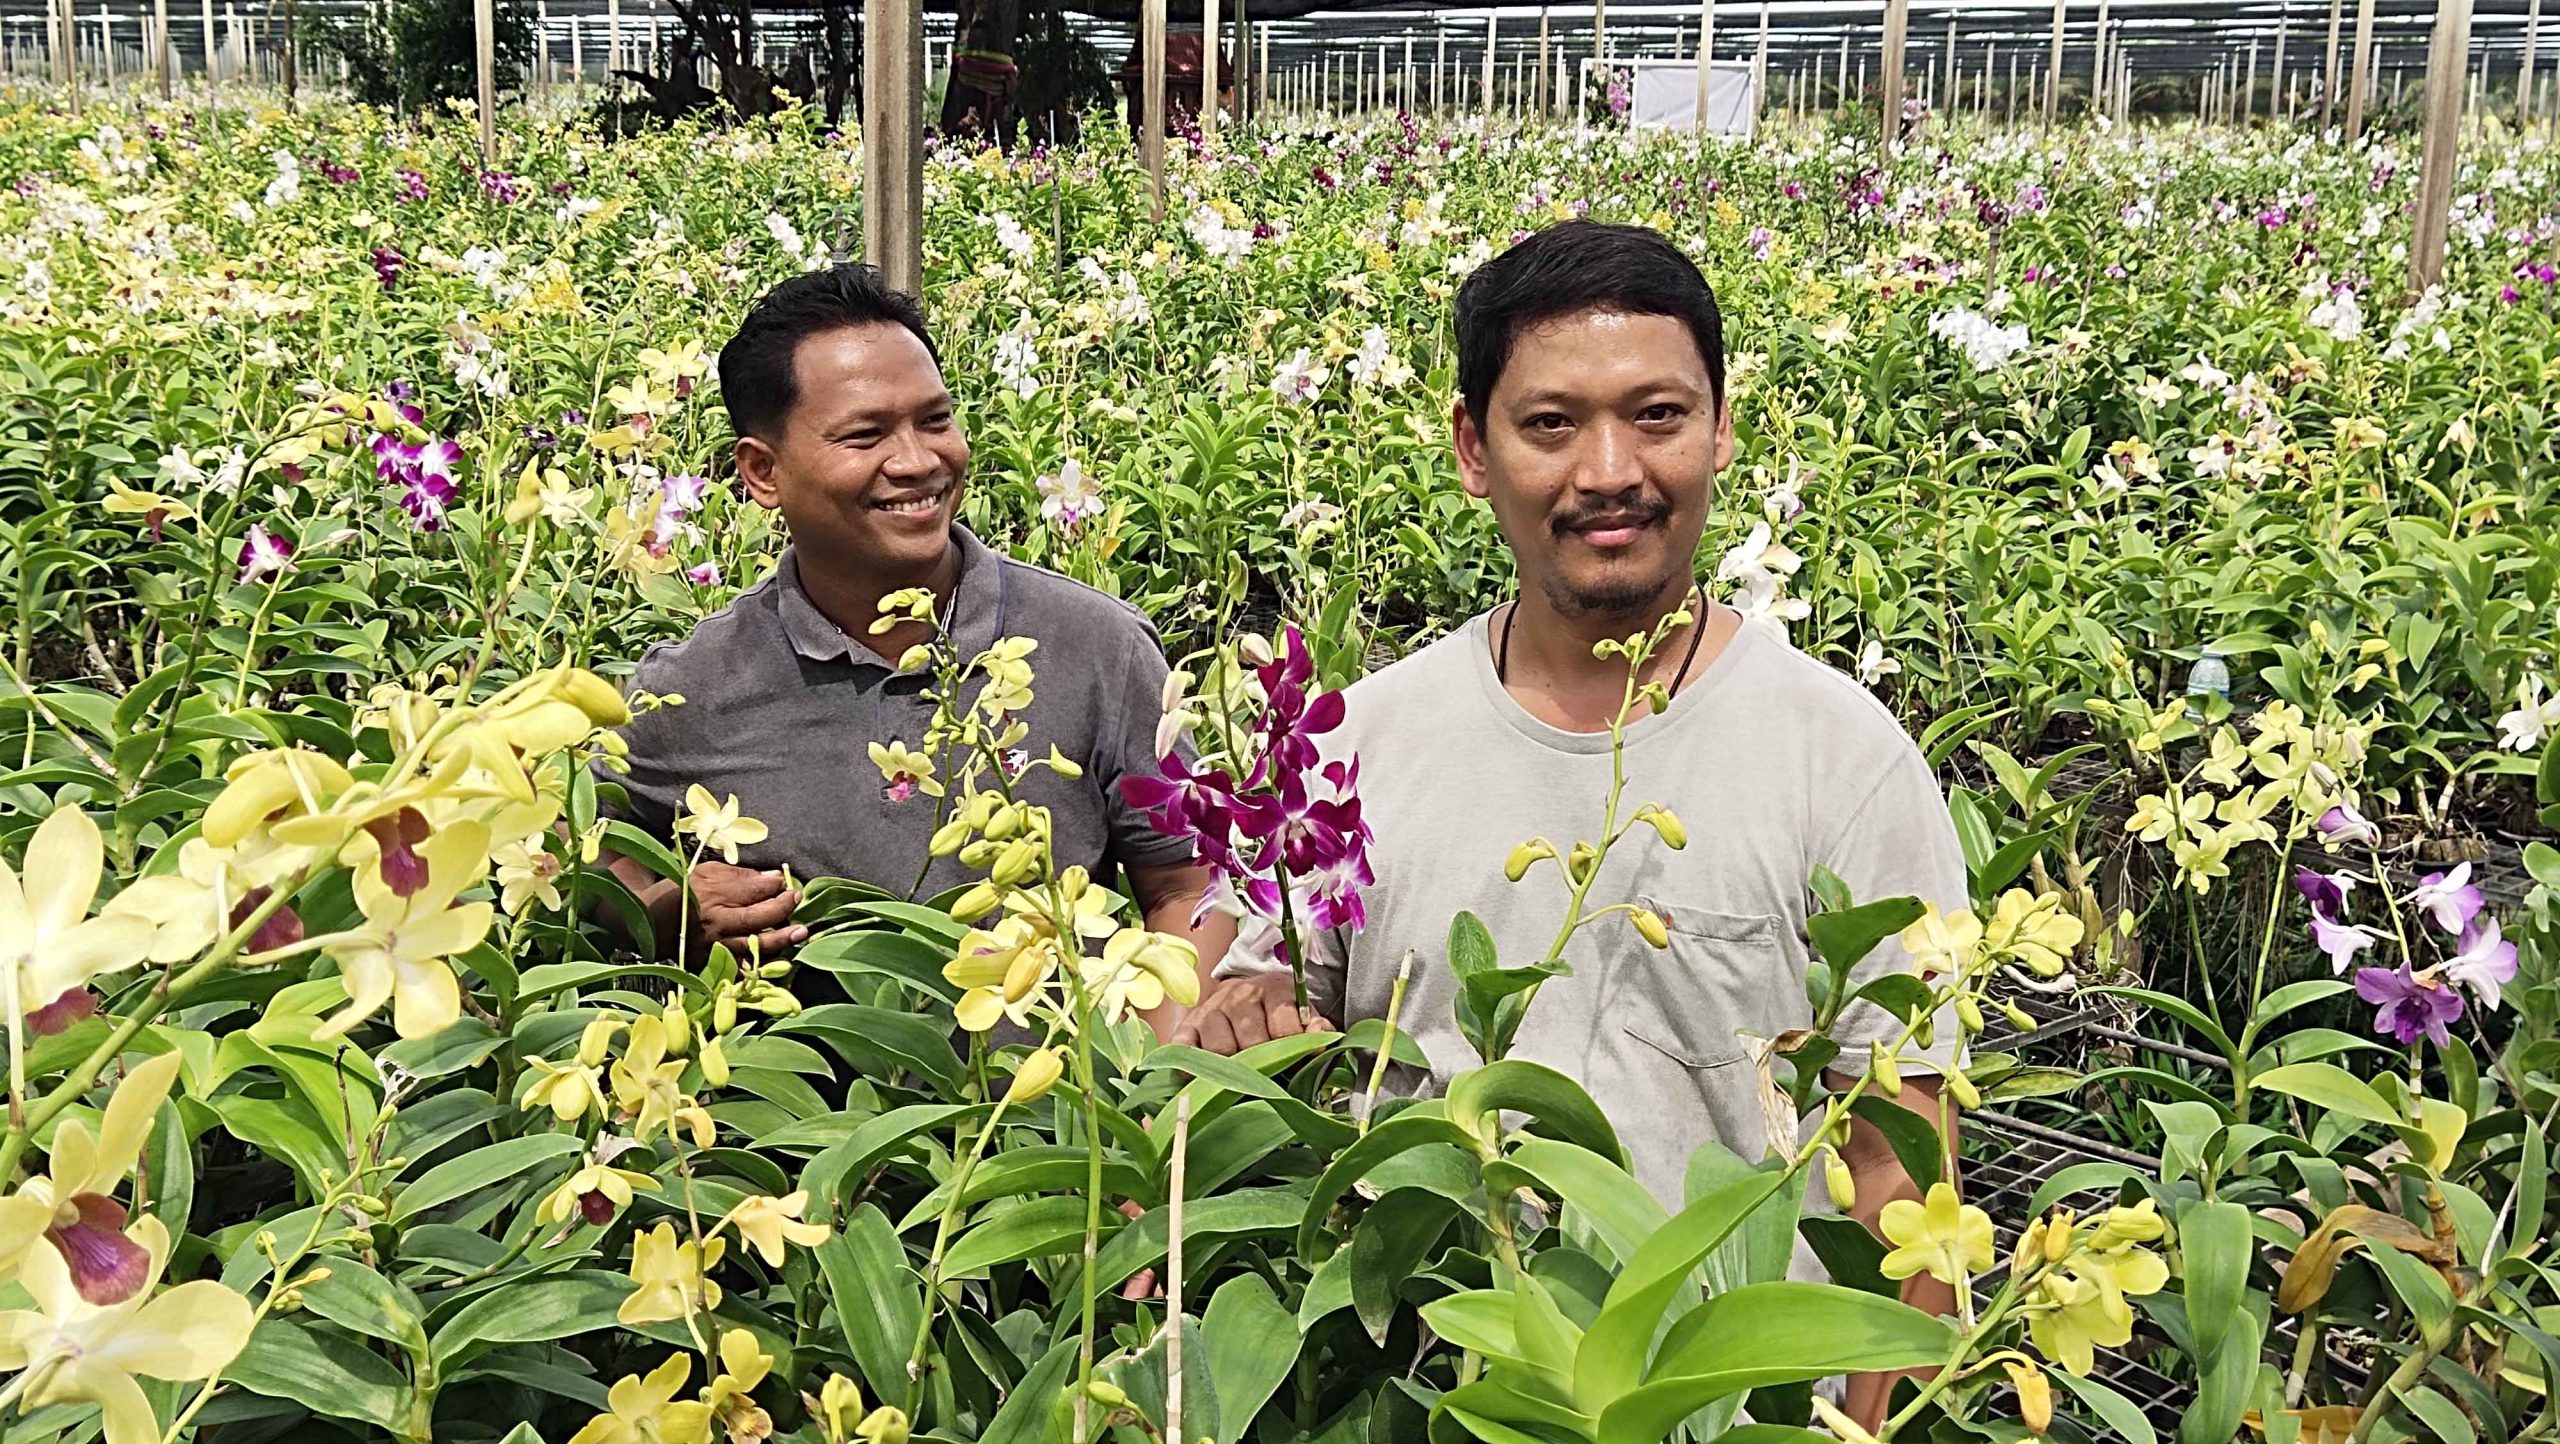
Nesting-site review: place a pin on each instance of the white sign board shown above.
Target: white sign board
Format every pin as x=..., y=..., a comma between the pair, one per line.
x=1665, y=97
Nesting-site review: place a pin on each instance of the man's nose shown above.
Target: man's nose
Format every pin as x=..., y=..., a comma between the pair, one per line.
x=908, y=455
x=1609, y=462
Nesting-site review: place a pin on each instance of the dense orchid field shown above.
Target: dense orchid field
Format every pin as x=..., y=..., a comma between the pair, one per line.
x=342, y=478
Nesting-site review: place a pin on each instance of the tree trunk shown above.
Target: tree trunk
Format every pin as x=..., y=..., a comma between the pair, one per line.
x=842, y=60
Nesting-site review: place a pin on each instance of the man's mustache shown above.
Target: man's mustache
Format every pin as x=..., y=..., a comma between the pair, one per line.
x=1610, y=512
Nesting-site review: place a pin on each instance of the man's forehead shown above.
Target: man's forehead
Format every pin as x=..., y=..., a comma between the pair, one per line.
x=1586, y=351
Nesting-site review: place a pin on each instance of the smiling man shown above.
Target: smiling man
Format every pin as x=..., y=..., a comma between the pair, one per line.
x=1592, y=415
x=845, y=427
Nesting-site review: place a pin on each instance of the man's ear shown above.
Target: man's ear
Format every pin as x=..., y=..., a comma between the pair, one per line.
x=755, y=469
x=1470, y=446
x=1724, y=433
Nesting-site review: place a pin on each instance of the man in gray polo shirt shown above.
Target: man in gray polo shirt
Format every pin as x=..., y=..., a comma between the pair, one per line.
x=844, y=426
x=1593, y=418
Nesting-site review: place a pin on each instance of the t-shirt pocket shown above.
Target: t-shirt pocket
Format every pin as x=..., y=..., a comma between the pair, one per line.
x=1694, y=1001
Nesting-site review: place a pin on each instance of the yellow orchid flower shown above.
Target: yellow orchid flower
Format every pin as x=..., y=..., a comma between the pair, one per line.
x=598, y=1191
x=645, y=1078
x=765, y=1224
x=265, y=784
x=568, y=1089
x=1945, y=1238
x=837, y=1407
x=1092, y=910
x=155, y=510
x=1140, y=969
x=673, y=1277
x=637, y=398
x=2084, y=1302
x=1941, y=942
x=717, y=823
x=527, y=874
x=77, y=1352
x=400, y=955
x=49, y=945
x=883, y=1425
x=905, y=770
x=643, y=1410
x=72, y=1206
x=2034, y=930
x=730, y=1396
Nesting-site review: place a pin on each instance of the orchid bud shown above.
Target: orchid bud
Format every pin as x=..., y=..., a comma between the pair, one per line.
x=980, y=900
x=1584, y=860
x=1029, y=967
x=715, y=1064
x=1842, y=1183
x=1961, y=1088
x=2035, y=1394
x=1526, y=856
x=1063, y=765
x=1880, y=1062
x=1106, y=1393
x=2058, y=1237
x=1038, y=1074
x=915, y=658
x=1019, y=858
x=2019, y=1018
x=1666, y=823
x=1006, y=824
x=1968, y=1013
x=949, y=838
x=1925, y=1032
x=1255, y=649
x=1650, y=925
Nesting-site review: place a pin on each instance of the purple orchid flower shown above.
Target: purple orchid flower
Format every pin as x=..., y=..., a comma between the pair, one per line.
x=2325, y=891
x=2342, y=825
x=2449, y=898
x=2410, y=1007
x=2485, y=963
x=2341, y=941
x=264, y=554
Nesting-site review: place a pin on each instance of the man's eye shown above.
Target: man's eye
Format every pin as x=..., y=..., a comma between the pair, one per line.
x=1664, y=411
x=868, y=436
x=939, y=421
x=1549, y=422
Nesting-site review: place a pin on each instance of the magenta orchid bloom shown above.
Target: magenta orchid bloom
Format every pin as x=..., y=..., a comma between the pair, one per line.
x=2449, y=898
x=2411, y=1007
x=264, y=554
x=2325, y=891
x=2486, y=962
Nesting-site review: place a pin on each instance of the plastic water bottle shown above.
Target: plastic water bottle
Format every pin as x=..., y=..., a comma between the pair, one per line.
x=2209, y=677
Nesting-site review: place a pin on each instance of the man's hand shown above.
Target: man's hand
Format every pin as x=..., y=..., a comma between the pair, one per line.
x=1239, y=1012
x=739, y=906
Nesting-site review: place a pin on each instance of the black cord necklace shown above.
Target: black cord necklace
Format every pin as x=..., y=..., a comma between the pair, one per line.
x=1697, y=634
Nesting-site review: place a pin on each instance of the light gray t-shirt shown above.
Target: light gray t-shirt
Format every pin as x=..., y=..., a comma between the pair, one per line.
x=1772, y=761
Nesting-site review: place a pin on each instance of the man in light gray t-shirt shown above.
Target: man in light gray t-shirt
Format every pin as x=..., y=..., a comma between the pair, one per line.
x=1592, y=416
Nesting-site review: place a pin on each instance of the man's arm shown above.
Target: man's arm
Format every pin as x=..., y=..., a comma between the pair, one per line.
x=1879, y=1178
x=1168, y=896
x=731, y=905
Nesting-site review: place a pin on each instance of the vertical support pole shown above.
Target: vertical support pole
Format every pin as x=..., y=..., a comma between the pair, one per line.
x=2276, y=107
x=2361, y=82
x=2249, y=85
x=577, y=54
x=1706, y=56
x=1949, y=89
x=893, y=138
x=2449, y=48
x=2009, y=103
x=613, y=39
x=1208, y=68
x=1150, y=97
x=2098, y=69
x=1599, y=32
x=2329, y=68
x=1492, y=21
x=1439, y=67
x=2053, y=70
x=1760, y=70
x=162, y=58
x=212, y=60
x=1404, y=84
x=541, y=42
x=2525, y=73
x=1897, y=29
x=1546, y=102
x=484, y=35
x=1842, y=98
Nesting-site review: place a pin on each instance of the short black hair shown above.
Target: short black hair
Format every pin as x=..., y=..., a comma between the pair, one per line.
x=1573, y=267
x=756, y=381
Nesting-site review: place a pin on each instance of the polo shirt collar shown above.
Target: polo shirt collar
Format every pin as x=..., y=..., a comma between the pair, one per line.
x=976, y=619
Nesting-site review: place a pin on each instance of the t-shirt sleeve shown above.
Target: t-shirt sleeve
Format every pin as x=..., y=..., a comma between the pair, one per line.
x=1126, y=747
x=651, y=784
x=1898, y=842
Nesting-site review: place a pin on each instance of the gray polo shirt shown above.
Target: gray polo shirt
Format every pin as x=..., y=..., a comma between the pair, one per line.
x=780, y=708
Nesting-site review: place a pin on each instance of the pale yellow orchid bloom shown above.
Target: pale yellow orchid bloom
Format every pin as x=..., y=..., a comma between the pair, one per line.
x=77, y=1352
x=49, y=945
x=644, y=1410
x=673, y=1277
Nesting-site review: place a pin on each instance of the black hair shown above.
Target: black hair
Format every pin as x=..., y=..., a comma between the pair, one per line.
x=1573, y=267
x=756, y=380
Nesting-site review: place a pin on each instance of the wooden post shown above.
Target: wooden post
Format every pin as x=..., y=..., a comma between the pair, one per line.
x=1546, y=102
x=2524, y=75
x=1897, y=28
x=2329, y=68
x=1492, y=19
x=1208, y=68
x=1843, y=86
x=1760, y=70
x=1706, y=56
x=1150, y=97
x=2450, y=47
x=2053, y=71
x=1439, y=66
x=2361, y=81
x=893, y=137
x=2009, y=103
x=1599, y=35
x=161, y=59
x=613, y=39
x=2249, y=85
x=212, y=63
x=1948, y=91
x=484, y=34
x=577, y=54
x=1404, y=85
x=2276, y=107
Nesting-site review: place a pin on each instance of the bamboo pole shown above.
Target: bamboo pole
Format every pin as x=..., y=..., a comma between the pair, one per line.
x=2276, y=107
x=2249, y=86
x=1492, y=19
x=2440, y=150
x=1404, y=79
x=212, y=63
x=1760, y=70
x=893, y=137
x=1843, y=86
x=1546, y=102
x=2524, y=73
x=1150, y=97
x=1897, y=28
x=484, y=35
x=1208, y=68
x=161, y=59
x=1949, y=90
x=613, y=39
x=1599, y=31
x=2362, y=80
x=2053, y=72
